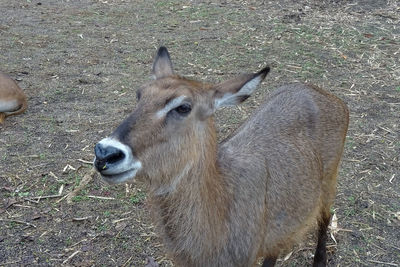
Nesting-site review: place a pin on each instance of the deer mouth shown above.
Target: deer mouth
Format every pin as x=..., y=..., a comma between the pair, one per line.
x=115, y=161
x=121, y=177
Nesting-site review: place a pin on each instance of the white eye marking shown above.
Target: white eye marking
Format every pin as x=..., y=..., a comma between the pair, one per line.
x=176, y=102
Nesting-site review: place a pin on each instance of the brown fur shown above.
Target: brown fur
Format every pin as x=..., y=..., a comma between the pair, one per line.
x=9, y=90
x=253, y=195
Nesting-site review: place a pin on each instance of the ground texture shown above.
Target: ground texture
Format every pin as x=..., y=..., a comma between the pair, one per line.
x=80, y=62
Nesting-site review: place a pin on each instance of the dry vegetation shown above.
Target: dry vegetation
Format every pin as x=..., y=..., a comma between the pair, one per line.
x=80, y=62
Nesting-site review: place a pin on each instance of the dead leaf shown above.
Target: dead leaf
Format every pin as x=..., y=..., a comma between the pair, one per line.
x=120, y=226
x=288, y=256
x=334, y=227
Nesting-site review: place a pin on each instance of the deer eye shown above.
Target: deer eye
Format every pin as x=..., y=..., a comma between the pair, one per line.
x=184, y=109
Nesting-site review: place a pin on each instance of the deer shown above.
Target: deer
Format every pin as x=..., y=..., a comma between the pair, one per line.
x=12, y=98
x=252, y=196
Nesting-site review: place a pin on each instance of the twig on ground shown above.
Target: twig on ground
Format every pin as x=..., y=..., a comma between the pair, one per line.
x=77, y=243
x=395, y=247
x=54, y=176
x=127, y=263
x=23, y=206
x=67, y=168
x=10, y=203
x=385, y=263
x=99, y=197
x=85, y=180
x=120, y=220
x=74, y=245
x=38, y=198
x=81, y=218
x=32, y=199
x=85, y=161
x=385, y=129
x=61, y=199
x=11, y=262
x=70, y=257
x=391, y=179
x=20, y=222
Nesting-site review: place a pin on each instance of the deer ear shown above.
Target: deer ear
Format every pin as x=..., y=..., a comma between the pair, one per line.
x=237, y=90
x=162, y=66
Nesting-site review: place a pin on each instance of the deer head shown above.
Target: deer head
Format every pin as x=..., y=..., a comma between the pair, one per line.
x=171, y=127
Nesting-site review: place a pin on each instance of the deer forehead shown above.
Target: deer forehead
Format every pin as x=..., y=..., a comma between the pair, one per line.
x=176, y=84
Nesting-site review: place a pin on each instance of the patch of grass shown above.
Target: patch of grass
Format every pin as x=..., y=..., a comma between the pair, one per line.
x=352, y=200
x=164, y=4
x=68, y=242
x=349, y=142
x=350, y=212
x=102, y=227
x=341, y=50
x=23, y=194
x=44, y=179
x=138, y=198
x=12, y=224
x=76, y=178
x=80, y=198
x=53, y=189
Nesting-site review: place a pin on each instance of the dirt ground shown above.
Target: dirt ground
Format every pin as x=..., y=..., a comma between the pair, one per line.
x=80, y=63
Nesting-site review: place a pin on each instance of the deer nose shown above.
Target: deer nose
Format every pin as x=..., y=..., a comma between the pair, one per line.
x=107, y=156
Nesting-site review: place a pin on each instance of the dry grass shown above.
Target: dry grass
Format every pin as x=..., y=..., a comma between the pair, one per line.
x=80, y=63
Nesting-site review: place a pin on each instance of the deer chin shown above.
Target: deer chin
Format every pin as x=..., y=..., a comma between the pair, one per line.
x=120, y=174
x=120, y=177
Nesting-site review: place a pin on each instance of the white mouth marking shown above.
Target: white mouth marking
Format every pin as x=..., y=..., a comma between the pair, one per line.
x=121, y=177
x=176, y=102
x=126, y=169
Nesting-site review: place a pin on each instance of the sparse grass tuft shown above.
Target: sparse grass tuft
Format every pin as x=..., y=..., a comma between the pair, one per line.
x=81, y=63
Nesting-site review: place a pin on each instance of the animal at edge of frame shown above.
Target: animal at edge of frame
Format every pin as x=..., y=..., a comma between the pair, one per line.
x=12, y=98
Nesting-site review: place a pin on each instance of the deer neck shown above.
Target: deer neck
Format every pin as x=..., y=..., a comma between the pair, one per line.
x=192, y=209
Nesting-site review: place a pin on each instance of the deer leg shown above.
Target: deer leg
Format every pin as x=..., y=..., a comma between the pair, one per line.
x=269, y=262
x=320, y=258
x=2, y=117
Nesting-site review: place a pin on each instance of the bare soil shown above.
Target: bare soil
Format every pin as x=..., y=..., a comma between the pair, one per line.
x=80, y=63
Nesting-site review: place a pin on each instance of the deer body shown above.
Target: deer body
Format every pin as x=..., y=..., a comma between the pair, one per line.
x=252, y=196
x=12, y=98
